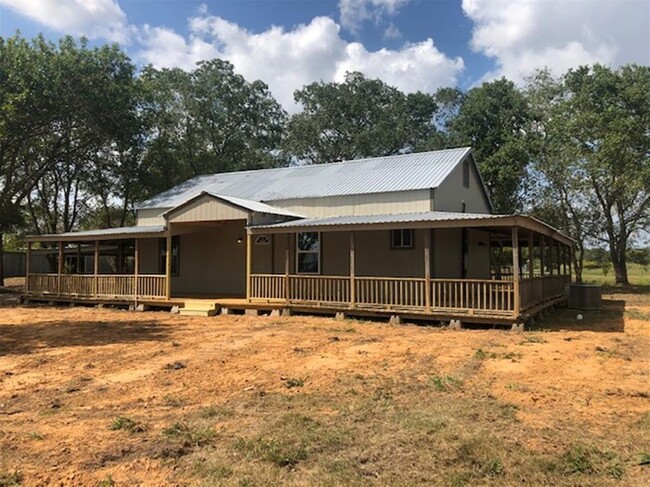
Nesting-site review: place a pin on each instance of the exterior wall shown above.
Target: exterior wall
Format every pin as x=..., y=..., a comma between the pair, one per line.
x=212, y=262
x=362, y=204
x=449, y=196
x=151, y=216
x=207, y=209
x=447, y=253
x=149, y=249
x=478, y=255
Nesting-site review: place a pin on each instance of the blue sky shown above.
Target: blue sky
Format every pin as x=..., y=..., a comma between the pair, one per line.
x=411, y=44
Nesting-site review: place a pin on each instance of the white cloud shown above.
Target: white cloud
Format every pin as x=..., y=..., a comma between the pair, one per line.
x=288, y=59
x=528, y=34
x=355, y=12
x=92, y=18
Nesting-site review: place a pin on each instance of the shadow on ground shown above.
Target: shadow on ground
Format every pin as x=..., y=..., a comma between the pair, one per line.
x=608, y=319
x=33, y=337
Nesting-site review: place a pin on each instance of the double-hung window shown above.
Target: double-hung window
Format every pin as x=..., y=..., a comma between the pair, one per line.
x=401, y=239
x=308, y=253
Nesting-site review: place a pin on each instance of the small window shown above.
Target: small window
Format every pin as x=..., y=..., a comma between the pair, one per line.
x=466, y=173
x=176, y=244
x=262, y=240
x=401, y=239
x=308, y=253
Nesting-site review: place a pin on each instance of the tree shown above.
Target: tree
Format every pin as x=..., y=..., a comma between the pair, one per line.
x=206, y=121
x=26, y=109
x=358, y=118
x=592, y=151
x=92, y=114
x=610, y=120
x=493, y=119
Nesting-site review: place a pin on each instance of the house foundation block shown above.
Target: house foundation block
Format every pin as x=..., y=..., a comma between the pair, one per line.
x=275, y=312
x=518, y=327
x=455, y=325
x=339, y=316
x=252, y=312
x=225, y=311
x=395, y=320
x=175, y=310
x=286, y=312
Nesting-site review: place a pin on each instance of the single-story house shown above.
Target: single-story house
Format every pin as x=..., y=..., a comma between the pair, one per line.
x=410, y=235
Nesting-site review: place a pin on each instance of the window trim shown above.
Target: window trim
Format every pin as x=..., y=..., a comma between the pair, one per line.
x=402, y=247
x=318, y=252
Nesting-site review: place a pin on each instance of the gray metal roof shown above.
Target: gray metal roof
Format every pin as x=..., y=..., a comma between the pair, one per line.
x=423, y=170
x=428, y=216
x=254, y=206
x=105, y=233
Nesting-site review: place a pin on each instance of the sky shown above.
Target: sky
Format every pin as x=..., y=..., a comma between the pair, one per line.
x=415, y=45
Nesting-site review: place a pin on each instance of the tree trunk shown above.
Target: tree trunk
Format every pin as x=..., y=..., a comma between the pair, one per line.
x=2, y=254
x=619, y=261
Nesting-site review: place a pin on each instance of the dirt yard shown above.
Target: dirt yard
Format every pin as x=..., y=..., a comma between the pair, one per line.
x=108, y=397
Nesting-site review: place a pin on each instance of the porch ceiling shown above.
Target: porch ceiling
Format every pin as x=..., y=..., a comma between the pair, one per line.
x=430, y=219
x=143, y=231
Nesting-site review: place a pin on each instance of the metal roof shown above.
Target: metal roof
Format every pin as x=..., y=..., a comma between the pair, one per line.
x=423, y=170
x=105, y=233
x=254, y=206
x=428, y=216
x=427, y=219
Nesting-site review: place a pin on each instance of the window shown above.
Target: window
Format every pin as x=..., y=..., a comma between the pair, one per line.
x=176, y=241
x=401, y=239
x=308, y=253
x=466, y=173
x=262, y=240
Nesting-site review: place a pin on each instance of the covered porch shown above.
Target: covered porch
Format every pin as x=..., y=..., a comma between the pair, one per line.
x=473, y=268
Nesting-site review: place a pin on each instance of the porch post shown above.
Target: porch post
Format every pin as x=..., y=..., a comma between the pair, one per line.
x=27, y=265
x=353, y=286
x=287, y=289
x=136, y=270
x=249, y=264
x=557, y=249
x=168, y=264
x=427, y=269
x=96, y=267
x=531, y=255
x=59, y=268
x=541, y=254
x=515, y=269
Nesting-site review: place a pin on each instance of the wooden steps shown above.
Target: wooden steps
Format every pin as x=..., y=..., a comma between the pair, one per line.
x=199, y=307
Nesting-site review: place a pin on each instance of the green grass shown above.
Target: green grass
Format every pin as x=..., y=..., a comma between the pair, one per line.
x=125, y=424
x=637, y=276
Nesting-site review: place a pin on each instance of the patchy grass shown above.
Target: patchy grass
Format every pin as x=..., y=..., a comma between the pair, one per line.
x=304, y=402
x=126, y=424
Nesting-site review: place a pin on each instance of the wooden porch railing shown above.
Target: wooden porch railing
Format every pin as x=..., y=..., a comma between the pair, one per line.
x=387, y=293
x=102, y=285
x=539, y=290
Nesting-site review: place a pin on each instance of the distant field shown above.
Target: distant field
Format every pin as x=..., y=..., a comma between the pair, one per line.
x=104, y=397
x=637, y=275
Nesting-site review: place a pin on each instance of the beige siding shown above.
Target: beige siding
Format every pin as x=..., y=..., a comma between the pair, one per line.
x=149, y=250
x=447, y=253
x=204, y=209
x=449, y=196
x=362, y=204
x=150, y=216
x=212, y=262
x=478, y=255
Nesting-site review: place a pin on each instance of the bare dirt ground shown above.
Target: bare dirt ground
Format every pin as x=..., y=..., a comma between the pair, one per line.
x=110, y=397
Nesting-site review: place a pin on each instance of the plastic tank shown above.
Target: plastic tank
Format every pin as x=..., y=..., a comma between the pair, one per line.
x=585, y=296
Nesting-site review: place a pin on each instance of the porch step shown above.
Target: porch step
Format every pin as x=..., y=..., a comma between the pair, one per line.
x=199, y=307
